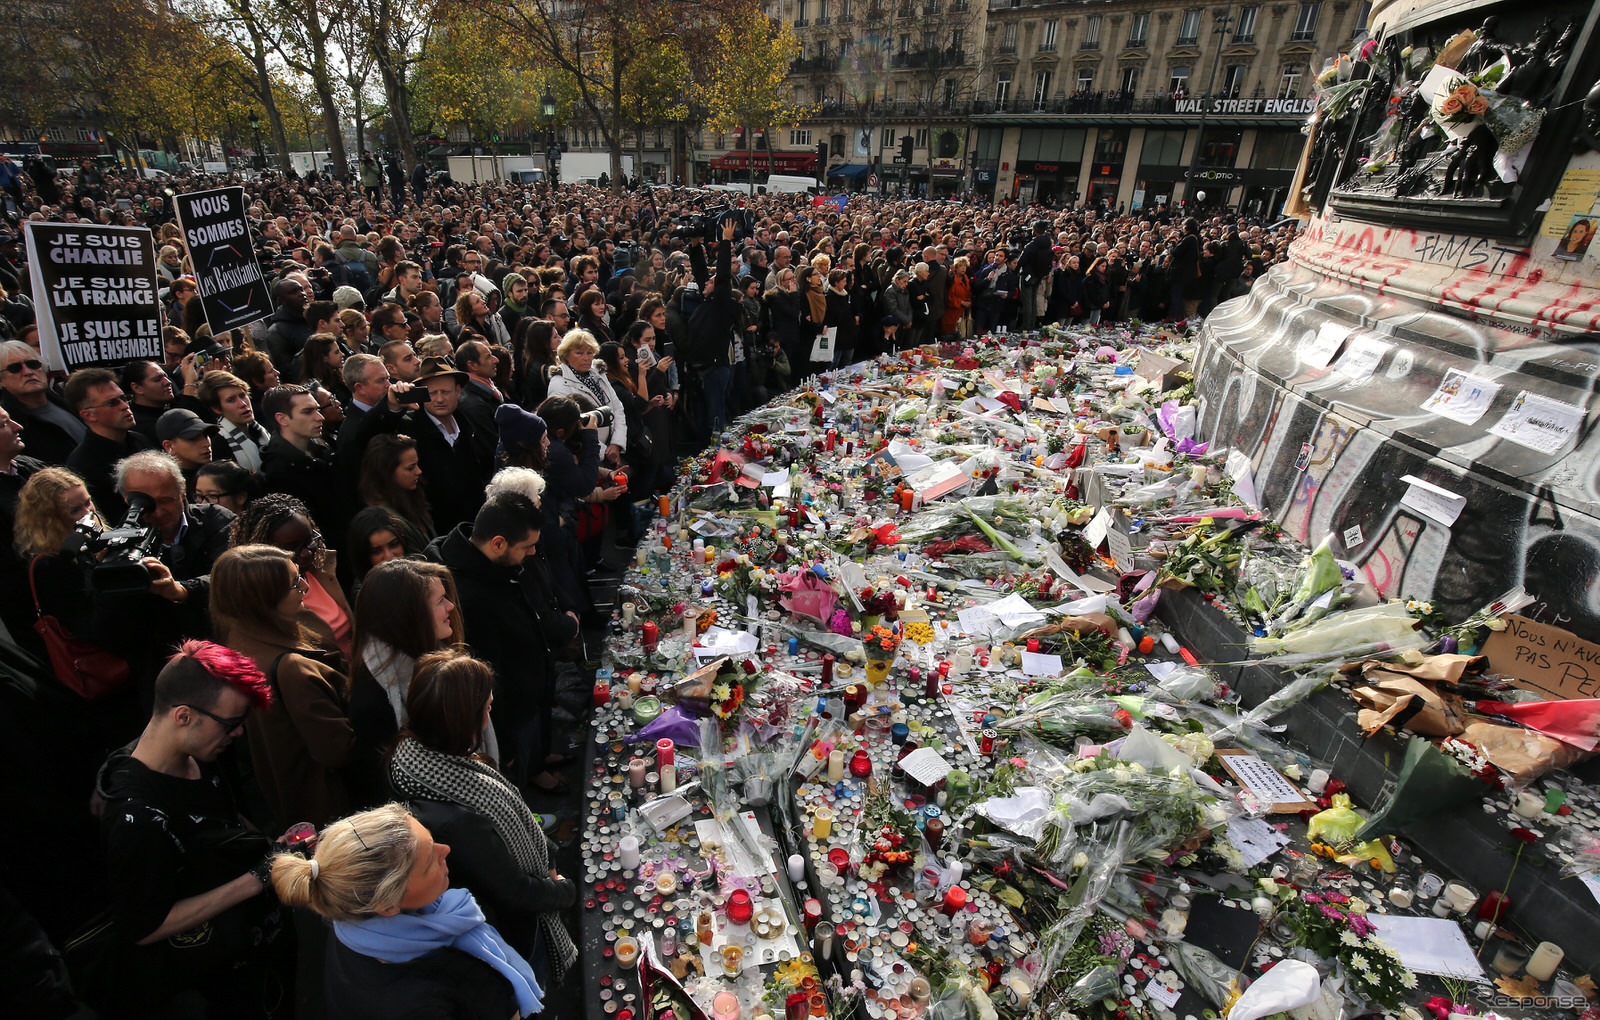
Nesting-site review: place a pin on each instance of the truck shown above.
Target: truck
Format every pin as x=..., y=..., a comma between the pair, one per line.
x=586, y=167
x=305, y=162
x=483, y=169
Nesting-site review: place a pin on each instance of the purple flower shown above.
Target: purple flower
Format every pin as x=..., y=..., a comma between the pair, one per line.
x=1330, y=913
x=1312, y=897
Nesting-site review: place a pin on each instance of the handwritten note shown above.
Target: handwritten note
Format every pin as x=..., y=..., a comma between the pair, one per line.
x=1431, y=501
x=1362, y=358
x=1462, y=397
x=1041, y=664
x=1255, y=839
x=925, y=765
x=1263, y=782
x=1324, y=345
x=1539, y=422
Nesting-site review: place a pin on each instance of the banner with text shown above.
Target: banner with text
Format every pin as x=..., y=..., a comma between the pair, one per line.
x=232, y=290
x=94, y=291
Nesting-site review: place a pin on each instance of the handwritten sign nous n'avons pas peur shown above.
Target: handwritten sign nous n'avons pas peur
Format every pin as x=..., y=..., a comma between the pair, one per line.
x=1545, y=660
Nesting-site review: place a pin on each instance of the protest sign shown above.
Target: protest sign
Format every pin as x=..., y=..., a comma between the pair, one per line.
x=94, y=291
x=233, y=291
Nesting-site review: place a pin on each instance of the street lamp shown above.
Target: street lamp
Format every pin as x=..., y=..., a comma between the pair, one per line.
x=259, y=162
x=1223, y=21
x=552, y=152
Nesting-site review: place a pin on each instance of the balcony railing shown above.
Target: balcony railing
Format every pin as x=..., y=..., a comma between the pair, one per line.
x=874, y=13
x=1138, y=44
x=822, y=19
x=1187, y=40
x=1006, y=49
x=930, y=10
x=1048, y=47
x=960, y=6
x=814, y=65
x=1305, y=36
x=929, y=59
x=1075, y=105
x=1089, y=44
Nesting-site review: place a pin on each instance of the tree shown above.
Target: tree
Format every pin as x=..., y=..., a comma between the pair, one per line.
x=465, y=77
x=396, y=37
x=745, y=87
x=597, y=45
x=942, y=68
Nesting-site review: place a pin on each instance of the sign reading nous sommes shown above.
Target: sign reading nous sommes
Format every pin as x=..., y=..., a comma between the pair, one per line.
x=94, y=293
x=233, y=291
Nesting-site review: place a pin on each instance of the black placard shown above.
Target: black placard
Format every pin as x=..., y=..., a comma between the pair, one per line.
x=94, y=292
x=233, y=290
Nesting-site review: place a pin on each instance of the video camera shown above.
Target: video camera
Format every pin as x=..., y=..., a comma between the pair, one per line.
x=599, y=418
x=121, y=550
x=707, y=223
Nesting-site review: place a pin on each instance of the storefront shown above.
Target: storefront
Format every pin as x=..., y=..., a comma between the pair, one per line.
x=1049, y=161
x=735, y=165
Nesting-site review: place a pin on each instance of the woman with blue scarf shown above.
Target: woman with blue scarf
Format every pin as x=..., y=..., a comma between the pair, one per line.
x=405, y=944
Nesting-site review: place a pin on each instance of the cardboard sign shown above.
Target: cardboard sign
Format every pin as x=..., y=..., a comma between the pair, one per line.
x=233, y=291
x=94, y=292
x=1264, y=782
x=1548, y=661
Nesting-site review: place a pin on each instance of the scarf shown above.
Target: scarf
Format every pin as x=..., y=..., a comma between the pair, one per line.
x=393, y=669
x=453, y=921
x=246, y=443
x=819, y=305
x=417, y=771
x=591, y=382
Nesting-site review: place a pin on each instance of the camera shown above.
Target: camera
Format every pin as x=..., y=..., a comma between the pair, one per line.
x=599, y=418
x=121, y=568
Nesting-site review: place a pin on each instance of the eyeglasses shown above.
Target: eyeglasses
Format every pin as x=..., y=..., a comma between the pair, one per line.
x=121, y=398
x=229, y=724
x=300, y=547
x=31, y=365
x=211, y=497
x=301, y=585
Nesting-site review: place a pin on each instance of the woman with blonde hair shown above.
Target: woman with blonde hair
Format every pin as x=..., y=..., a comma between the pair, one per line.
x=49, y=507
x=578, y=374
x=405, y=943
x=307, y=758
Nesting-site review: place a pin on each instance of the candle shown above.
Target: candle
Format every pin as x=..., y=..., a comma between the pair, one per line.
x=732, y=960
x=797, y=868
x=861, y=765
x=835, y=765
x=665, y=753
x=669, y=777
x=1461, y=896
x=822, y=823
x=628, y=853
x=627, y=952
x=1400, y=896
x=822, y=939
x=651, y=634
x=1509, y=957
x=725, y=1006
x=629, y=609
x=827, y=670
x=602, y=693
x=987, y=742
x=636, y=770
x=639, y=555
x=933, y=826
x=1547, y=956
x=812, y=912
x=625, y=700
x=740, y=907
x=1530, y=804
x=955, y=900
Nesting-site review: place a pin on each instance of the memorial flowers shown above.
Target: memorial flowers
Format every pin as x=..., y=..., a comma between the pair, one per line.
x=1333, y=926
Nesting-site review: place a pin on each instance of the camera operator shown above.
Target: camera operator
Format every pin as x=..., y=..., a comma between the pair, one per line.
x=713, y=327
x=179, y=545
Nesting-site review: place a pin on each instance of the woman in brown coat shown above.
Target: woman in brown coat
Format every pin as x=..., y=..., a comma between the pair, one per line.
x=305, y=754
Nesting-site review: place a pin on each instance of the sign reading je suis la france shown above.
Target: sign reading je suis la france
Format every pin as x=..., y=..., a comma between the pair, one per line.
x=1258, y=107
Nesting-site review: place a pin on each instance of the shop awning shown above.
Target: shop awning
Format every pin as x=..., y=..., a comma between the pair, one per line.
x=850, y=170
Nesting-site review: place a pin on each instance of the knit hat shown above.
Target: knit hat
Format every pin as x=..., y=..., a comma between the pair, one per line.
x=508, y=281
x=348, y=297
x=518, y=427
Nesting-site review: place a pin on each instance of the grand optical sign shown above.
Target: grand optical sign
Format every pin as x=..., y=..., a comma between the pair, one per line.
x=1249, y=107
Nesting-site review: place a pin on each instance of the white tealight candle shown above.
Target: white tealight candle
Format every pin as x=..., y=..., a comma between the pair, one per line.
x=1547, y=956
x=1529, y=804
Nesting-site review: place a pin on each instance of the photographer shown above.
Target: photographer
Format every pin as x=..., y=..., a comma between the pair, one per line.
x=713, y=326
x=49, y=508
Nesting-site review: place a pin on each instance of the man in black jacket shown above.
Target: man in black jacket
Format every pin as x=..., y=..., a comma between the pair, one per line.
x=297, y=461
x=485, y=559
x=713, y=328
x=287, y=328
x=53, y=430
x=1183, y=269
x=97, y=397
x=1033, y=267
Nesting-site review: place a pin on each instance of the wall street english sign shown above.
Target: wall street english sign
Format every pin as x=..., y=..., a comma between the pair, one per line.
x=1258, y=107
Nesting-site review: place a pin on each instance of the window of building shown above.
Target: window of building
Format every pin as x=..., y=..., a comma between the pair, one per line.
x=1163, y=148
x=1110, y=145
x=956, y=39
x=1008, y=38
x=922, y=138
x=1289, y=82
x=1130, y=80
x=800, y=136
x=800, y=12
x=1047, y=41
x=930, y=40
x=1178, y=80
x=822, y=94
x=844, y=10
x=1277, y=150
x=1138, y=29
x=950, y=89
x=1246, y=32
x=1232, y=81
x=1189, y=33
x=1091, y=32
x=905, y=42
x=888, y=139
x=1220, y=147
x=1041, y=89
x=1052, y=145
x=899, y=91
x=1305, y=23
x=1002, y=89
x=1085, y=79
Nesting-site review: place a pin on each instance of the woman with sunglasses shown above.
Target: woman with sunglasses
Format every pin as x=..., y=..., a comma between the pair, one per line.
x=307, y=759
x=283, y=521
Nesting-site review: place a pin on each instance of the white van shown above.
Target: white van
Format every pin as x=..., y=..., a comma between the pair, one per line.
x=788, y=184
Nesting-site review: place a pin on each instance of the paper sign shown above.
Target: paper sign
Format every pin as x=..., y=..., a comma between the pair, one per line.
x=1462, y=397
x=1538, y=422
x=1264, y=782
x=977, y=620
x=1014, y=611
x=1361, y=359
x=771, y=479
x=1255, y=839
x=1353, y=537
x=1161, y=670
x=1095, y=533
x=1168, y=997
x=1431, y=501
x=1244, y=477
x=1575, y=196
x=1429, y=945
x=1041, y=664
x=926, y=766
x=1120, y=546
x=1155, y=366
x=94, y=294
x=1547, y=660
x=1322, y=347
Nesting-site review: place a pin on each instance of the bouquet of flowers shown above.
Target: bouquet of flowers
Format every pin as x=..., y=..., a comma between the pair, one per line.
x=878, y=604
x=1335, y=927
x=882, y=643
x=1462, y=102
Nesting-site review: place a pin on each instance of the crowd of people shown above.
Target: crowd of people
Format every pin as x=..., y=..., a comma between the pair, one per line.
x=325, y=573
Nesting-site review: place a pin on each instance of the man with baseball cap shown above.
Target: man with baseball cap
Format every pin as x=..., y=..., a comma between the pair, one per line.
x=187, y=437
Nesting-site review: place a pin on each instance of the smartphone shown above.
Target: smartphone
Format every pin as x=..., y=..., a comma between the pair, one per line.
x=201, y=360
x=415, y=395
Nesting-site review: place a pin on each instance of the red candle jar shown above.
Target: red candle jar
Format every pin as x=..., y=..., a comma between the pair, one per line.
x=619, y=480
x=1033, y=644
x=740, y=907
x=827, y=670
x=1493, y=906
x=839, y=857
x=955, y=900
x=861, y=765
x=812, y=912
x=651, y=634
x=602, y=693
x=666, y=753
x=986, y=742
x=854, y=697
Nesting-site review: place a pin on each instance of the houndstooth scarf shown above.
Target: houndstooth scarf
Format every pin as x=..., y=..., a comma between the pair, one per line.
x=417, y=771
